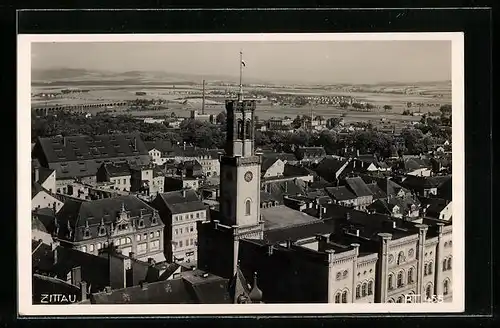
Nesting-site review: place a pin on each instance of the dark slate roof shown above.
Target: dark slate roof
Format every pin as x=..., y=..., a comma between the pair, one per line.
x=285, y=157
x=161, y=145
x=417, y=163
x=358, y=186
x=295, y=233
x=328, y=167
x=80, y=213
x=49, y=285
x=390, y=187
x=36, y=188
x=178, y=203
x=117, y=169
x=434, y=206
x=311, y=151
x=188, y=289
x=36, y=224
x=267, y=162
x=283, y=188
x=43, y=174
x=416, y=182
x=296, y=170
x=340, y=193
x=80, y=156
x=376, y=191
x=320, y=184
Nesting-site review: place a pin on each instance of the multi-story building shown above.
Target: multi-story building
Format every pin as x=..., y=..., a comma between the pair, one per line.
x=81, y=156
x=180, y=212
x=118, y=174
x=125, y=221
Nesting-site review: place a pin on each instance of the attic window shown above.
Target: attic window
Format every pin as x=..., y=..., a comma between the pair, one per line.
x=154, y=220
x=141, y=223
x=86, y=233
x=102, y=231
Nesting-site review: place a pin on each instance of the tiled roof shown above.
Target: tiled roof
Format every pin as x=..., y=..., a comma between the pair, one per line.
x=417, y=163
x=295, y=170
x=43, y=174
x=286, y=157
x=267, y=162
x=79, y=214
x=340, y=193
x=328, y=167
x=79, y=156
x=36, y=224
x=434, y=206
x=117, y=169
x=161, y=145
x=358, y=186
x=311, y=151
x=182, y=201
x=416, y=182
x=50, y=286
x=183, y=290
x=376, y=191
x=282, y=188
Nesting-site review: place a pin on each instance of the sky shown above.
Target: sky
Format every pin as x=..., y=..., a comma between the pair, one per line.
x=294, y=62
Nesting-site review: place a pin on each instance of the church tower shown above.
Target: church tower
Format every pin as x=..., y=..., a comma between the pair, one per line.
x=239, y=201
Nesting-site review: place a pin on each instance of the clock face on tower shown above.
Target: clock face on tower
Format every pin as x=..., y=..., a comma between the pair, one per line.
x=248, y=176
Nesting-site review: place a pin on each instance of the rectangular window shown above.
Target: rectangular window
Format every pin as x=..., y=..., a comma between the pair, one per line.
x=151, y=235
x=197, y=215
x=157, y=233
x=154, y=245
x=191, y=216
x=191, y=228
x=142, y=248
x=180, y=243
x=91, y=247
x=176, y=231
x=117, y=242
x=145, y=236
x=138, y=238
x=202, y=214
x=187, y=242
x=124, y=181
x=122, y=241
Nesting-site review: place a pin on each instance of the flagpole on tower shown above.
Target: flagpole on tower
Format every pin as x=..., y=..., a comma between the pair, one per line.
x=240, y=92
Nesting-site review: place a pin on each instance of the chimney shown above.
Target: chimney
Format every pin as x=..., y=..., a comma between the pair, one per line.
x=331, y=254
x=76, y=276
x=36, y=174
x=83, y=290
x=356, y=248
x=216, y=222
x=55, y=251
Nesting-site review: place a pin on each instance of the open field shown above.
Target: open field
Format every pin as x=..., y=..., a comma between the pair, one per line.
x=430, y=96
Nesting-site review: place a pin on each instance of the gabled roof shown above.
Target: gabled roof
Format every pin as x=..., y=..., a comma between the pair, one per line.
x=340, y=193
x=358, y=187
x=77, y=214
x=329, y=166
x=434, y=206
x=376, y=191
x=285, y=157
x=416, y=182
x=282, y=188
x=161, y=145
x=190, y=288
x=182, y=201
x=267, y=162
x=36, y=188
x=44, y=285
x=43, y=174
x=117, y=169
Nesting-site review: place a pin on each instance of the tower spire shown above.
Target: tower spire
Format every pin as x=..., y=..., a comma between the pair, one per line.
x=242, y=63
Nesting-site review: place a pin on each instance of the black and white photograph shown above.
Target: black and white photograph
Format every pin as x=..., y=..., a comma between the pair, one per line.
x=246, y=173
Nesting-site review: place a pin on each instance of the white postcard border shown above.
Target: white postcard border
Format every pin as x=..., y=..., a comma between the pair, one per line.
x=25, y=306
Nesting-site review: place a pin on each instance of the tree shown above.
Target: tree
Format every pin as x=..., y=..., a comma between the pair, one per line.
x=332, y=122
x=387, y=107
x=221, y=118
x=344, y=104
x=369, y=106
x=413, y=140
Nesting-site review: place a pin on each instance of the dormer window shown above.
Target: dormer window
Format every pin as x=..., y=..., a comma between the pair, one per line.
x=141, y=223
x=102, y=231
x=86, y=233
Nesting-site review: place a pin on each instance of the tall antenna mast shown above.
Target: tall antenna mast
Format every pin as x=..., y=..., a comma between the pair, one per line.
x=240, y=92
x=203, y=100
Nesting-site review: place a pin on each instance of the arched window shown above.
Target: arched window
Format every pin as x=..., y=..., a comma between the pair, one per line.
x=344, y=296
x=363, y=289
x=344, y=274
x=248, y=130
x=247, y=207
x=401, y=257
x=339, y=274
x=428, y=291
x=400, y=279
x=337, y=297
x=425, y=269
x=240, y=129
x=445, y=263
x=449, y=264
x=390, y=300
x=400, y=299
x=358, y=294
x=410, y=275
x=389, y=281
x=446, y=287
x=430, y=267
x=370, y=287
